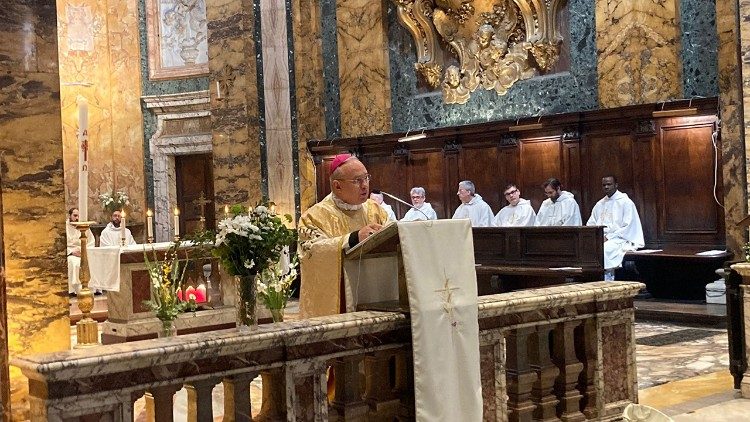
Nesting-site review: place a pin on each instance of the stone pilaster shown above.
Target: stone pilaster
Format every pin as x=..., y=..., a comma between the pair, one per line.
x=32, y=187
x=310, y=88
x=235, y=121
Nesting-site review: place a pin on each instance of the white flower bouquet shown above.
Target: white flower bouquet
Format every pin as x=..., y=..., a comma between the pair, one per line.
x=114, y=201
x=275, y=285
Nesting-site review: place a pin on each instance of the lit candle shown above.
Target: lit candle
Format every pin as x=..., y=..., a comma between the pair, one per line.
x=226, y=211
x=149, y=223
x=218, y=91
x=123, y=228
x=200, y=293
x=83, y=157
x=176, y=221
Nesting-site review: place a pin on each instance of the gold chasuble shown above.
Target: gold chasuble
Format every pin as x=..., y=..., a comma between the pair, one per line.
x=323, y=232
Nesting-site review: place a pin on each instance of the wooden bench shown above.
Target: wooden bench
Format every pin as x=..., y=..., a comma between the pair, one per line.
x=513, y=258
x=676, y=272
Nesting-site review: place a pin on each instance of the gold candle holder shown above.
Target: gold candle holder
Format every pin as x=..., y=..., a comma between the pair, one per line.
x=86, y=329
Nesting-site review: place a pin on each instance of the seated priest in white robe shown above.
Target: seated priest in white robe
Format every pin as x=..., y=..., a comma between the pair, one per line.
x=73, y=236
x=112, y=234
x=622, y=225
x=518, y=212
x=341, y=220
x=473, y=206
x=422, y=210
x=560, y=208
x=376, y=196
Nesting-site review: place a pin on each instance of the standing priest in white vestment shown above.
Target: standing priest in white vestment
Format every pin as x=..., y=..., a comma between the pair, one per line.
x=622, y=225
x=342, y=219
x=473, y=206
x=112, y=234
x=422, y=210
x=560, y=208
x=74, y=251
x=518, y=212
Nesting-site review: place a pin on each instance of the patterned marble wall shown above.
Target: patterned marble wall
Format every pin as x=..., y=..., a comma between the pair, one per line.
x=235, y=117
x=699, y=44
x=149, y=87
x=309, y=90
x=4, y=375
x=31, y=161
x=364, y=80
x=99, y=59
x=637, y=47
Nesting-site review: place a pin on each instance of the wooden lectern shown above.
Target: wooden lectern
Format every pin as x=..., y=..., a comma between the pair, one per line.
x=375, y=269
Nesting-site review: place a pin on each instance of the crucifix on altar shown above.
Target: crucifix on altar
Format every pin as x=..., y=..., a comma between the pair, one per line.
x=201, y=202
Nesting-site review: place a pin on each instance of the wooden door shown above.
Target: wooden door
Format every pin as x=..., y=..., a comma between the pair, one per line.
x=195, y=185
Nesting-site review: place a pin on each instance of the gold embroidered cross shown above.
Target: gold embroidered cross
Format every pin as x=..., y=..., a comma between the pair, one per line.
x=446, y=293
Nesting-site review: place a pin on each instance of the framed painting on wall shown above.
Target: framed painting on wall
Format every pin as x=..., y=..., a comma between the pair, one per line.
x=177, y=38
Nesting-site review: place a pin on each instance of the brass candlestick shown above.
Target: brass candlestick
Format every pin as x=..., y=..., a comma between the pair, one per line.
x=86, y=329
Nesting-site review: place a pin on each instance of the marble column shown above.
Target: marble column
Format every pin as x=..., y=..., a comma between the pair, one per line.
x=638, y=49
x=734, y=99
x=32, y=187
x=235, y=120
x=309, y=90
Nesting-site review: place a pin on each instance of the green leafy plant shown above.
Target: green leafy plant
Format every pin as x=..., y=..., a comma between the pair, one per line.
x=275, y=285
x=166, y=281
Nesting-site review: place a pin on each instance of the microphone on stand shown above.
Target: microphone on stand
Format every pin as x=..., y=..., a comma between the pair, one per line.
x=405, y=203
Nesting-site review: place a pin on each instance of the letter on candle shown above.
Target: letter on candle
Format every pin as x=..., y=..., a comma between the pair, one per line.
x=176, y=221
x=123, y=228
x=83, y=158
x=149, y=223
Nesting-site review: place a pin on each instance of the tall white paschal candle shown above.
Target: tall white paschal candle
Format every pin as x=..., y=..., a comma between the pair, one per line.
x=123, y=229
x=83, y=158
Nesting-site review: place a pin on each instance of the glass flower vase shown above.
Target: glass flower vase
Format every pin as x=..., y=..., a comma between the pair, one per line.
x=277, y=315
x=168, y=328
x=247, y=318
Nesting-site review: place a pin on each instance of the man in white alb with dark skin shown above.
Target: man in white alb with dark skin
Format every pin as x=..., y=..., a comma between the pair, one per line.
x=518, y=212
x=622, y=225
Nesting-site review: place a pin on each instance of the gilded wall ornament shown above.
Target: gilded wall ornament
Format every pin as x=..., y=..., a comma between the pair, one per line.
x=492, y=43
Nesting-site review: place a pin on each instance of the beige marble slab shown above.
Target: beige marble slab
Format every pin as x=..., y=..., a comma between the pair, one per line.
x=638, y=52
x=364, y=73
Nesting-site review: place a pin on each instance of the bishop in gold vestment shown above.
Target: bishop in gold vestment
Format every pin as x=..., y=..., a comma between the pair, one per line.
x=345, y=217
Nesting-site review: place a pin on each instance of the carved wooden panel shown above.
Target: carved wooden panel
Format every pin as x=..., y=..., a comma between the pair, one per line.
x=665, y=165
x=194, y=174
x=688, y=210
x=607, y=155
x=427, y=169
x=478, y=164
x=540, y=160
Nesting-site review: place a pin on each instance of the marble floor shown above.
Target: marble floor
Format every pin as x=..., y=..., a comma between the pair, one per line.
x=682, y=371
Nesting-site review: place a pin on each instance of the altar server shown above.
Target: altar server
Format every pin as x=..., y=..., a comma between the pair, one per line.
x=622, y=225
x=517, y=213
x=560, y=208
x=472, y=206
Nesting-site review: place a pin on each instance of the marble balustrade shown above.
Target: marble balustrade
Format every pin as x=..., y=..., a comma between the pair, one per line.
x=558, y=353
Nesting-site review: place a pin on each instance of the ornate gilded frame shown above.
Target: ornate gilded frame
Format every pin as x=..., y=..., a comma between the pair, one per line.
x=496, y=42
